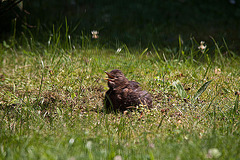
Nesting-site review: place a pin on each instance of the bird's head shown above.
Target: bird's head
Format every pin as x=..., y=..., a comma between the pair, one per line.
x=116, y=78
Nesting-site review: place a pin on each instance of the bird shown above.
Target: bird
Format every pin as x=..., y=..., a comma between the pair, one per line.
x=124, y=94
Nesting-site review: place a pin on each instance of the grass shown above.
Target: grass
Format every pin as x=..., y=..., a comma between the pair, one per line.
x=52, y=81
x=51, y=103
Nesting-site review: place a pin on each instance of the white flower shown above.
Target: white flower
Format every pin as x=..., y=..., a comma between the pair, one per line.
x=95, y=34
x=202, y=46
x=71, y=141
x=118, y=157
x=213, y=153
x=119, y=50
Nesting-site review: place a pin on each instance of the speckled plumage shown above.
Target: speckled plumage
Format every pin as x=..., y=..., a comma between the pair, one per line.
x=124, y=94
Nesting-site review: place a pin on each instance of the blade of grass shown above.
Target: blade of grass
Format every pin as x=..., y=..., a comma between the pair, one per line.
x=41, y=83
x=145, y=50
x=228, y=51
x=182, y=93
x=160, y=124
x=180, y=51
x=201, y=90
x=236, y=103
x=160, y=59
x=218, y=51
x=209, y=66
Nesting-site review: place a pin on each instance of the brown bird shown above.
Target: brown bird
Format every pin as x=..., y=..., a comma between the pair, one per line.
x=124, y=94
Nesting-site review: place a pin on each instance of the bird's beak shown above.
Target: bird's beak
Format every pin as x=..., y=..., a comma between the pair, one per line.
x=110, y=77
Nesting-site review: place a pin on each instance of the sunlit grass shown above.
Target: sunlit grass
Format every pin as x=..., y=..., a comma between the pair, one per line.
x=51, y=100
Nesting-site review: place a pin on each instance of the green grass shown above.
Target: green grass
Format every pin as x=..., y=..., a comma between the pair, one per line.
x=51, y=101
x=52, y=81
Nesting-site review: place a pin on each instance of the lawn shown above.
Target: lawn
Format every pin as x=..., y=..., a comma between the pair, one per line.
x=52, y=103
x=52, y=82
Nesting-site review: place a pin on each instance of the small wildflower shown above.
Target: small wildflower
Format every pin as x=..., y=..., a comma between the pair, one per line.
x=202, y=46
x=118, y=157
x=119, y=50
x=71, y=141
x=95, y=34
x=213, y=153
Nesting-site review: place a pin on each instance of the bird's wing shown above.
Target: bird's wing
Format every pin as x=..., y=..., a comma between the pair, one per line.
x=145, y=98
x=139, y=97
x=134, y=86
